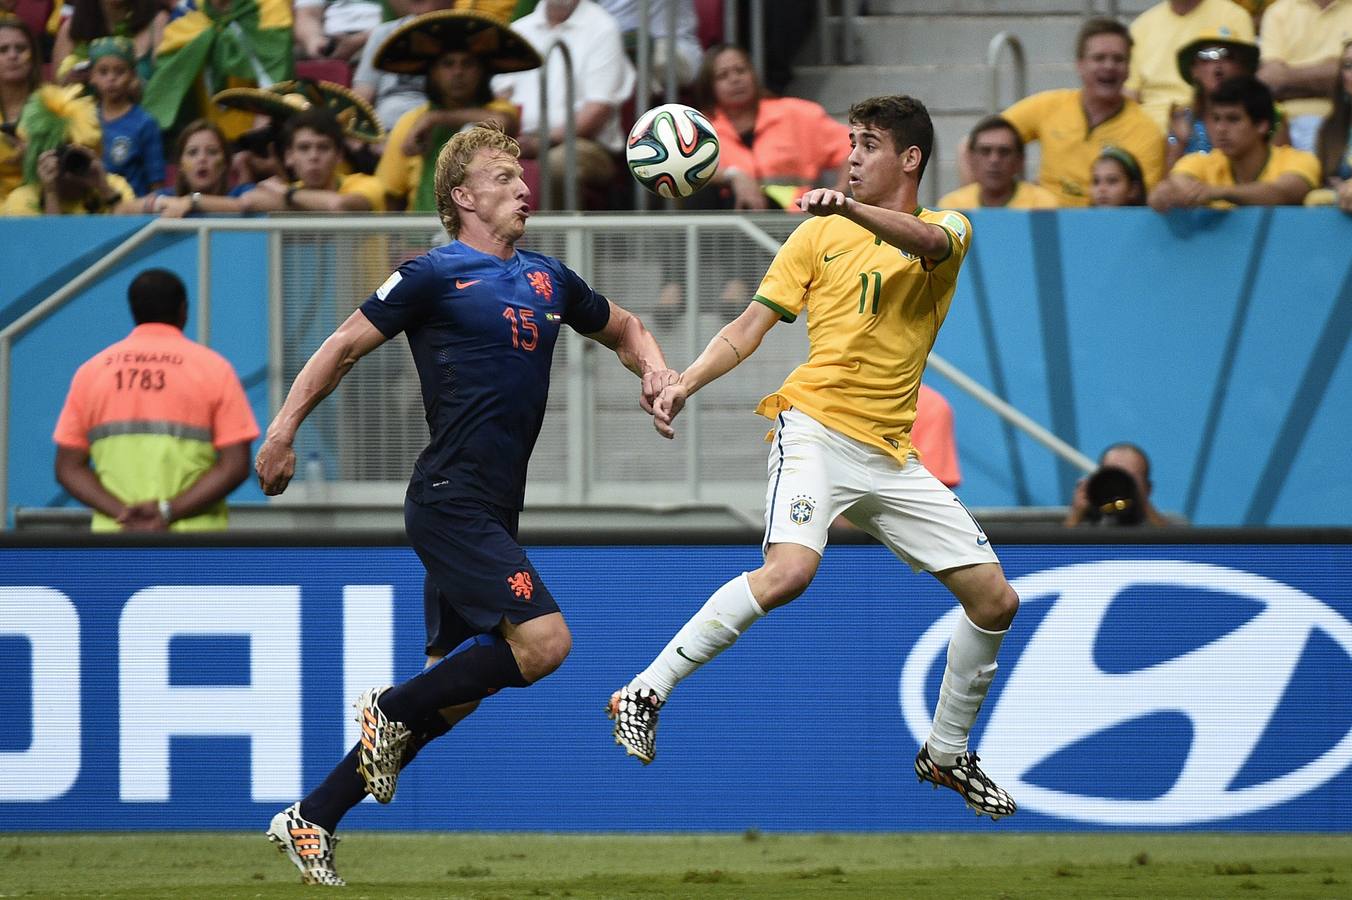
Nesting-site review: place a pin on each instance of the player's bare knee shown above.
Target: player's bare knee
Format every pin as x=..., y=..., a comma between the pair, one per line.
x=544, y=653
x=782, y=579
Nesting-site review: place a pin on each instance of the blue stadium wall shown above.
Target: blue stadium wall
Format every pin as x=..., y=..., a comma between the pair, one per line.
x=1201, y=686
x=1214, y=339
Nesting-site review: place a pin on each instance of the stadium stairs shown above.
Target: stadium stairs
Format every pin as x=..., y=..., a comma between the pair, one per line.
x=936, y=50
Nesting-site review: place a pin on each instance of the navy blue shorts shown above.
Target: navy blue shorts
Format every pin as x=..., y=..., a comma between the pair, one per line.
x=477, y=574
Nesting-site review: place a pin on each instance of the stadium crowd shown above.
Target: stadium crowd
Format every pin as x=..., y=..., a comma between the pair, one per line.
x=267, y=105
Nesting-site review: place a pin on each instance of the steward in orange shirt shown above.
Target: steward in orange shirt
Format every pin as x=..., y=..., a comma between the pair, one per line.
x=163, y=420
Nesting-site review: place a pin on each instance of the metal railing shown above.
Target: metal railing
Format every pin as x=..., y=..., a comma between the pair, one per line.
x=842, y=49
x=1005, y=40
x=546, y=198
x=594, y=448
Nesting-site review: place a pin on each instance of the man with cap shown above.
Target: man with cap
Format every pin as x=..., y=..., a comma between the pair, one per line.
x=1157, y=36
x=62, y=166
x=132, y=145
x=392, y=94
x=1244, y=169
x=457, y=52
x=1204, y=63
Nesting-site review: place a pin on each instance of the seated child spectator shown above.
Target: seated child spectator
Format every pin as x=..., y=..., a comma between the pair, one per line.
x=1116, y=179
x=132, y=145
x=63, y=171
x=1244, y=169
x=440, y=44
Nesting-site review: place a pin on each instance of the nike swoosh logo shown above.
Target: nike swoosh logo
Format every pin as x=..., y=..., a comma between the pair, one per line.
x=461, y=285
x=680, y=651
x=826, y=257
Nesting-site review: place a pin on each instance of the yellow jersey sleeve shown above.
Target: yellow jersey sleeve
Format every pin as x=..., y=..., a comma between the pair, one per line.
x=368, y=186
x=785, y=285
x=1027, y=115
x=1196, y=165
x=959, y=231
x=1297, y=162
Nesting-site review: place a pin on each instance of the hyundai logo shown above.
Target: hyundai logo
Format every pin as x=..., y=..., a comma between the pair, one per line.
x=1055, y=695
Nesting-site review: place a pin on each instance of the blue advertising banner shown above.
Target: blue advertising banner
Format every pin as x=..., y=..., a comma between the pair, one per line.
x=1159, y=686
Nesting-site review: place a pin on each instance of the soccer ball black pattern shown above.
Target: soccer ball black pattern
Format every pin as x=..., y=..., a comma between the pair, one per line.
x=672, y=150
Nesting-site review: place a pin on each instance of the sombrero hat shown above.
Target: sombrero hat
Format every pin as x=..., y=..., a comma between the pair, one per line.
x=1220, y=39
x=414, y=46
x=286, y=98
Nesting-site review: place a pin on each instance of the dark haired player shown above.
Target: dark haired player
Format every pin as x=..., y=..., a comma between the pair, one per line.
x=482, y=319
x=875, y=272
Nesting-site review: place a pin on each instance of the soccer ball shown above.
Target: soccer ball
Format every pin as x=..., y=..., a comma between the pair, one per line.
x=672, y=150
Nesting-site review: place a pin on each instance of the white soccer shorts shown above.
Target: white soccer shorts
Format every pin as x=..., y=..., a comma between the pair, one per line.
x=817, y=474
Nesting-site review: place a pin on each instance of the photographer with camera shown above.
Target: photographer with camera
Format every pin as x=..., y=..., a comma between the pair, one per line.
x=63, y=171
x=1117, y=492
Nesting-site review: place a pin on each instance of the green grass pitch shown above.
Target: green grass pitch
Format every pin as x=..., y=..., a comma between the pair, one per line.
x=383, y=865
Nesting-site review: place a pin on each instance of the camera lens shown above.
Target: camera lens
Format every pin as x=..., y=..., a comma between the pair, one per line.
x=74, y=160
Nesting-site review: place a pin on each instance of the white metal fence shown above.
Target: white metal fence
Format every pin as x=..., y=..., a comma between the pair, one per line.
x=684, y=274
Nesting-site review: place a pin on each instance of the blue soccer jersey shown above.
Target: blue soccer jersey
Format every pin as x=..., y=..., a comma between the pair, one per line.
x=132, y=149
x=482, y=331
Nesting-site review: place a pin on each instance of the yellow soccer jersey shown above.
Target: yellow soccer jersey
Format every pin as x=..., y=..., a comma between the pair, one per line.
x=1026, y=196
x=1214, y=168
x=873, y=312
x=1302, y=33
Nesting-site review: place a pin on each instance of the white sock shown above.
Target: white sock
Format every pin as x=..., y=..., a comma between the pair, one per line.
x=967, y=678
x=720, y=621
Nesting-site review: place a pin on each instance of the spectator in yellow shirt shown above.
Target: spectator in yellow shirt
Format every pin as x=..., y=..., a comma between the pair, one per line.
x=1074, y=125
x=312, y=143
x=996, y=153
x=1159, y=33
x=1301, y=43
x=1244, y=169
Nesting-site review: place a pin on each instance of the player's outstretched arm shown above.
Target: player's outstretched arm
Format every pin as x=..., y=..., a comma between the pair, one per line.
x=734, y=342
x=638, y=351
x=276, y=460
x=900, y=229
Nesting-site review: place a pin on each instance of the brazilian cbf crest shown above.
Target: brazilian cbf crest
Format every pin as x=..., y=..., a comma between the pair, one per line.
x=801, y=509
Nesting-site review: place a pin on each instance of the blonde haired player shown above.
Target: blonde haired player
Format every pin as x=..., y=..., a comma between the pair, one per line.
x=875, y=273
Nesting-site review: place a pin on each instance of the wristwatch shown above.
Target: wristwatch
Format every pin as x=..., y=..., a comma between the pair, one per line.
x=290, y=195
x=166, y=512
x=195, y=202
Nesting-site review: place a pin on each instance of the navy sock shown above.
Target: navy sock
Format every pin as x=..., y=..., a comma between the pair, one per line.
x=344, y=788
x=338, y=793
x=424, y=733
x=478, y=667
